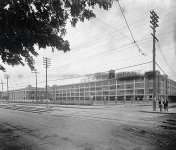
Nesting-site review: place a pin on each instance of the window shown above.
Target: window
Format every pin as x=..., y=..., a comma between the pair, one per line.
x=113, y=87
x=129, y=91
x=112, y=92
x=98, y=88
x=120, y=92
x=120, y=86
x=150, y=91
x=129, y=86
x=141, y=91
x=139, y=85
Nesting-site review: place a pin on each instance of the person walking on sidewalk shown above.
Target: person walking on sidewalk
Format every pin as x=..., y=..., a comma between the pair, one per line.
x=166, y=105
x=154, y=104
x=160, y=105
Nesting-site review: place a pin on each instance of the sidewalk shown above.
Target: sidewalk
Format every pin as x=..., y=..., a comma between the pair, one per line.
x=171, y=110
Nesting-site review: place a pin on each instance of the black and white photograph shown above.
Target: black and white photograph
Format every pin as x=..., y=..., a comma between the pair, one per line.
x=87, y=75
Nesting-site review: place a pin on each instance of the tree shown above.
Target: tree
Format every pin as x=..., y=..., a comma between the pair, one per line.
x=26, y=23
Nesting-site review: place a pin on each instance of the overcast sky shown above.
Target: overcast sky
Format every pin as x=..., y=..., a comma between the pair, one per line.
x=105, y=43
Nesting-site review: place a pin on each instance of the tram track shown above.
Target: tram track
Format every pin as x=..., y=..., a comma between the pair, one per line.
x=25, y=109
x=77, y=113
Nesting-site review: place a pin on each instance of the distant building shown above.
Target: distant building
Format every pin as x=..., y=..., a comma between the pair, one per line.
x=28, y=94
x=104, y=88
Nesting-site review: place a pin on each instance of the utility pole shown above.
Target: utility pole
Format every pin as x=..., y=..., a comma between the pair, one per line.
x=47, y=64
x=6, y=76
x=154, y=20
x=2, y=88
x=36, y=92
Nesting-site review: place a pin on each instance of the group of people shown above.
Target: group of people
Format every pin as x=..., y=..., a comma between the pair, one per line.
x=163, y=104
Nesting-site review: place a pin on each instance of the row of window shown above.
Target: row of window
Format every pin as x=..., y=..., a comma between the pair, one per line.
x=119, y=86
x=108, y=87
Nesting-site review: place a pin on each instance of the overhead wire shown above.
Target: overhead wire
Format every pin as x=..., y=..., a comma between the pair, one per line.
x=86, y=75
x=161, y=68
x=129, y=45
x=119, y=29
x=128, y=26
x=164, y=58
x=114, y=32
x=131, y=34
x=164, y=72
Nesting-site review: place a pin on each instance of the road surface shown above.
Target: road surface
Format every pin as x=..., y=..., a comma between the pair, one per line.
x=111, y=127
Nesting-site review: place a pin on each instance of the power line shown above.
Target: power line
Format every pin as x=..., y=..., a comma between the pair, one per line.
x=128, y=26
x=134, y=65
x=130, y=44
x=71, y=78
x=161, y=68
x=85, y=75
x=127, y=45
x=113, y=33
x=164, y=72
x=164, y=58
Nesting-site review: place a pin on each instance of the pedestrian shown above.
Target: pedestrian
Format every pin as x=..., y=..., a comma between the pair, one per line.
x=160, y=105
x=154, y=104
x=166, y=105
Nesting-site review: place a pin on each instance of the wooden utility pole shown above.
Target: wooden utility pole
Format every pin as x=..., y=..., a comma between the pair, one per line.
x=2, y=85
x=47, y=64
x=36, y=91
x=154, y=20
x=6, y=76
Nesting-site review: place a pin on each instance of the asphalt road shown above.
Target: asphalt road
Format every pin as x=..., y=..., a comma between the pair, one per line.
x=112, y=127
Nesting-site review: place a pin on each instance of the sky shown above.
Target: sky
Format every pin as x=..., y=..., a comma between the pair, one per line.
x=104, y=43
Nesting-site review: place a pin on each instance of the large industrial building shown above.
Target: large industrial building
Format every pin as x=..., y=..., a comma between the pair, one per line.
x=102, y=88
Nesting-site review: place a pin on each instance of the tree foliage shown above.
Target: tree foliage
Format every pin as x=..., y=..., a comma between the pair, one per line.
x=26, y=23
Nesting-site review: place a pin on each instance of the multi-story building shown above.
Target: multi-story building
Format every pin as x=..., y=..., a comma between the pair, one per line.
x=104, y=88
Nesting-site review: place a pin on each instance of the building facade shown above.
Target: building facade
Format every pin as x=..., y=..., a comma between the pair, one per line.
x=109, y=88
x=28, y=95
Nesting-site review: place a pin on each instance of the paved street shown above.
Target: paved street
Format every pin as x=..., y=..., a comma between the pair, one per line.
x=71, y=127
